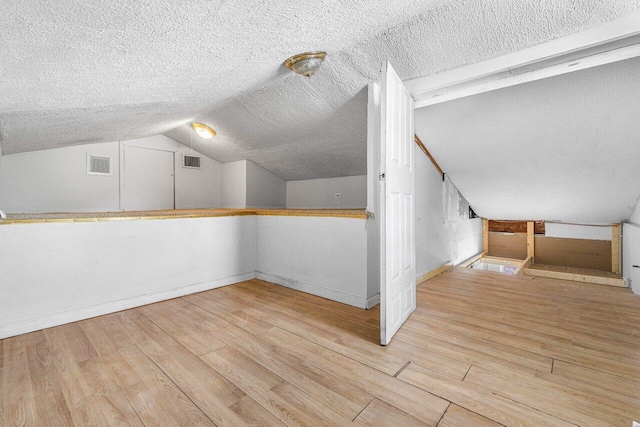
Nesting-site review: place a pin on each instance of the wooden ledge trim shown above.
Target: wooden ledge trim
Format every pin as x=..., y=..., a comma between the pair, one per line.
x=334, y=213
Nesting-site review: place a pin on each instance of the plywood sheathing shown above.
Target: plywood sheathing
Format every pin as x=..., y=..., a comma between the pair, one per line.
x=508, y=245
x=577, y=253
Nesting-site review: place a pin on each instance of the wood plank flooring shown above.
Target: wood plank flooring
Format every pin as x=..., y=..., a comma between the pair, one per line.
x=482, y=349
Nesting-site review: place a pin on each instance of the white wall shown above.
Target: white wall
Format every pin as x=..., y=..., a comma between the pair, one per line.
x=631, y=250
x=234, y=184
x=264, y=189
x=54, y=273
x=441, y=236
x=57, y=180
x=114, y=265
x=194, y=188
x=635, y=216
x=322, y=256
x=574, y=231
x=631, y=255
x=1, y=206
x=320, y=193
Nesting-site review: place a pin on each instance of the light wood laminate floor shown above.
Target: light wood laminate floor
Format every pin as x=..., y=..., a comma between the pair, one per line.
x=482, y=349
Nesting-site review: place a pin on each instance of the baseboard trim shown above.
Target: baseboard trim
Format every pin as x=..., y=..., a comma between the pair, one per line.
x=433, y=273
x=316, y=290
x=25, y=326
x=373, y=301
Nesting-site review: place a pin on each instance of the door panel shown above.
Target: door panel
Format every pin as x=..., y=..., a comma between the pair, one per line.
x=631, y=255
x=397, y=206
x=148, y=179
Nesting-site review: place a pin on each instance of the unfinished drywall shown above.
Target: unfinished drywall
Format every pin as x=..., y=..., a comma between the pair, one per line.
x=440, y=236
x=57, y=181
x=264, y=189
x=322, y=193
x=322, y=256
x=92, y=268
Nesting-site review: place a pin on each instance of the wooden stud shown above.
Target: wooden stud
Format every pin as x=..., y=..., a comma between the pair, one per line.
x=525, y=264
x=530, y=239
x=471, y=260
x=575, y=277
x=615, y=248
x=485, y=236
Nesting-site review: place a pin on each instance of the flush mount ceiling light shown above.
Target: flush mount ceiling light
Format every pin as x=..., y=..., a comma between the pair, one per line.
x=306, y=63
x=203, y=131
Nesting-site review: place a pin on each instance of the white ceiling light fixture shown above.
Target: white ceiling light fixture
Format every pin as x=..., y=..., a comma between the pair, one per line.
x=203, y=131
x=305, y=64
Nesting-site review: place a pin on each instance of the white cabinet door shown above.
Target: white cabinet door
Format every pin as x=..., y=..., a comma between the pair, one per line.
x=397, y=206
x=148, y=177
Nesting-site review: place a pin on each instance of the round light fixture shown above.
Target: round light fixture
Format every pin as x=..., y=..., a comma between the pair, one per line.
x=203, y=131
x=305, y=64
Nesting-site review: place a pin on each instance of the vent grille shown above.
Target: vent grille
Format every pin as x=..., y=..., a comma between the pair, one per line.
x=98, y=165
x=191, y=162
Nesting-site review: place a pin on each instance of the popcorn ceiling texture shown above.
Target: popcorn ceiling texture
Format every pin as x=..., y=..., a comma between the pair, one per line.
x=562, y=148
x=76, y=71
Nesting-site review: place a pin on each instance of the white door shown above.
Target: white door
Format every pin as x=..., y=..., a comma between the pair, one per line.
x=631, y=255
x=396, y=206
x=148, y=177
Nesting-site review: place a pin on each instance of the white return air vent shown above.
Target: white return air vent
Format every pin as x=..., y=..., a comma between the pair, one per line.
x=192, y=162
x=98, y=165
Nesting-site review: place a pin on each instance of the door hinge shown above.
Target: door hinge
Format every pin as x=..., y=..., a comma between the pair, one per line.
x=382, y=176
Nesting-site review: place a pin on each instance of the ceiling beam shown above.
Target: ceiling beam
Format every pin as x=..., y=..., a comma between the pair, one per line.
x=442, y=86
x=514, y=77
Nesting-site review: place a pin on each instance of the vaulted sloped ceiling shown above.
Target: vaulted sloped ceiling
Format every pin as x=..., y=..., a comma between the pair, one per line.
x=77, y=71
x=563, y=148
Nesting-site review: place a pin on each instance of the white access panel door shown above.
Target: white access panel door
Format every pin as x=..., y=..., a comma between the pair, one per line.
x=148, y=179
x=397, y=206
x=631, y=255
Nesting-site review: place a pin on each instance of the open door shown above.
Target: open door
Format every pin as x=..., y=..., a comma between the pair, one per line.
x=396, y=206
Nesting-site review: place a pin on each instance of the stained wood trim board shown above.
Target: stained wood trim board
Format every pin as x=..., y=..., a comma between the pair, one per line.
x=433, y=273
x=425, y=151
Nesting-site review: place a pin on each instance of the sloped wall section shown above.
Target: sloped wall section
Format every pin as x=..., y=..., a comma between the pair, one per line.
x=444, y=232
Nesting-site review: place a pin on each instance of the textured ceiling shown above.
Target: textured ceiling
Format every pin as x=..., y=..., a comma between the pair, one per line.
x=82, y=71
x=563, y=148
